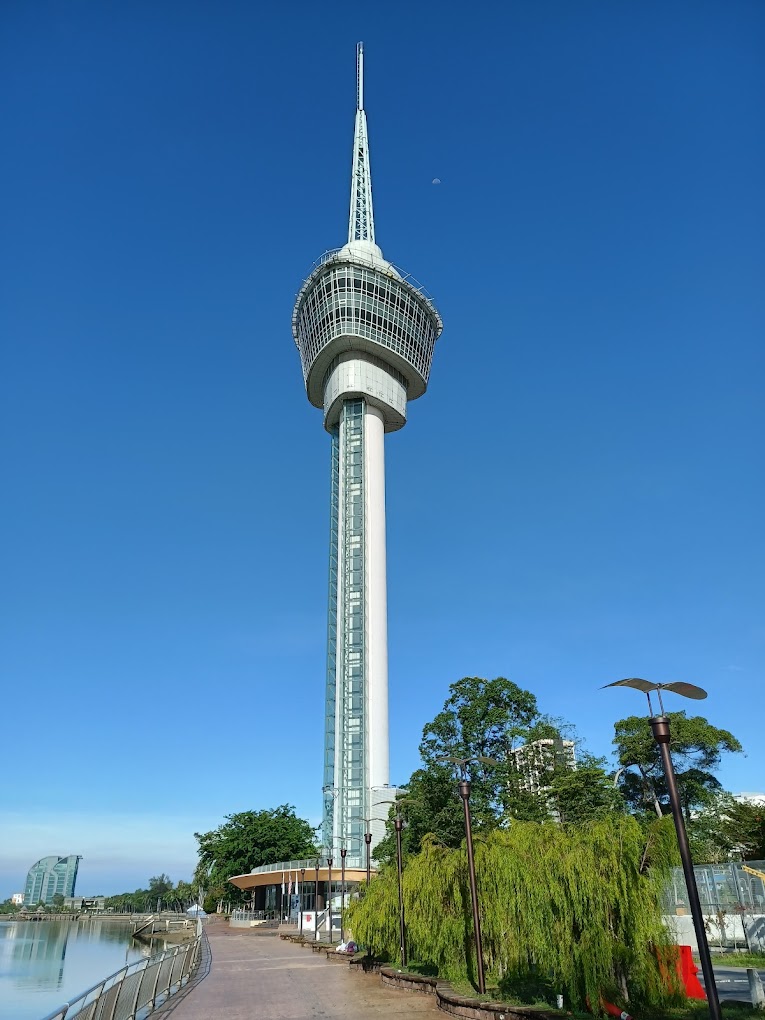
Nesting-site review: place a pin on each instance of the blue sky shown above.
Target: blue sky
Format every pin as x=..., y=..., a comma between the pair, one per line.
x=577, y=498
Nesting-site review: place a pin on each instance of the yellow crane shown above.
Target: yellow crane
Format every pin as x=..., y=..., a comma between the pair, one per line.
x=753, y=871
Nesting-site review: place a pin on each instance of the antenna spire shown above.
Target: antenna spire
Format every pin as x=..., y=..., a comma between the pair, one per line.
x=361, y=223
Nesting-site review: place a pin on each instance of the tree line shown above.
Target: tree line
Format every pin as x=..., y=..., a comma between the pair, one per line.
x=494, y=719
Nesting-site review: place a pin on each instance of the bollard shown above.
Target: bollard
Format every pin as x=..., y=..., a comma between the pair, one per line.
x=755, y=988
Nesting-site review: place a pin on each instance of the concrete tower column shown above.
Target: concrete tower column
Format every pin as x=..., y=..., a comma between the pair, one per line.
x=377, y=600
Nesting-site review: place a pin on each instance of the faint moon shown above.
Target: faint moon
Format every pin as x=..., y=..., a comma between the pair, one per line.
x=436, y=180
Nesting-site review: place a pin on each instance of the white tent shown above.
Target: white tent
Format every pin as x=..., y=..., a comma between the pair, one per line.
x=196, y=911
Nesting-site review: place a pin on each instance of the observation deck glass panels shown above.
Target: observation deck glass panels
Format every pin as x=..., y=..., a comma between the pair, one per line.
x=344, y=299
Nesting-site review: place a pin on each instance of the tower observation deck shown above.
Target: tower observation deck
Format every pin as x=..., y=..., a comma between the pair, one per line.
x=365, y=333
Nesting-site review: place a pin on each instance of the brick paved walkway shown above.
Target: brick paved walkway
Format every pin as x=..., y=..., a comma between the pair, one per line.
x=259, y=977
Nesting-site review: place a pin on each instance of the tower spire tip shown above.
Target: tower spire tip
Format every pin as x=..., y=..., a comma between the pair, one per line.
x=361, y=225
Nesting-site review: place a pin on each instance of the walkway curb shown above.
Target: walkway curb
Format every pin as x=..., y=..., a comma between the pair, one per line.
x=447, y=1000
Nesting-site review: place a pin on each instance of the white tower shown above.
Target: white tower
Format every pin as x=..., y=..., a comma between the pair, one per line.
x=365, y=336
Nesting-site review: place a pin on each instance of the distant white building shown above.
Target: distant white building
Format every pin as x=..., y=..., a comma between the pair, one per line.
x=17, y=899
x=533, y=761
x=758, y=799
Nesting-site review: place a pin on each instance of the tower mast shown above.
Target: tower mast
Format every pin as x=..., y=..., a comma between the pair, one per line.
x=361, y=222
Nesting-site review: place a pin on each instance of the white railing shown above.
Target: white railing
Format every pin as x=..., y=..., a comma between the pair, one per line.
x=133, y=992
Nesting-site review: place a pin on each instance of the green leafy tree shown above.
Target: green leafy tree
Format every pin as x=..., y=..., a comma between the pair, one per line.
x=58, y=900
x=696, y=746
x=584, y=793
x=159, y=887
x=182, y=896
x=489, y=719
x=572, y=909
x=726, y=829
x=247, y=840
x=430, y=805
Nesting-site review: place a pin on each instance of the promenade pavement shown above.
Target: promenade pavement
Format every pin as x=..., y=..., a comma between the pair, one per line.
x=246, y=976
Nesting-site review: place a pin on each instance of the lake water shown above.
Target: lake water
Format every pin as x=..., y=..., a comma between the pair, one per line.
x=45, y=963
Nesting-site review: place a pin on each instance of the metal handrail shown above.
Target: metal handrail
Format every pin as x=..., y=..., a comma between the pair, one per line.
x=119, y=996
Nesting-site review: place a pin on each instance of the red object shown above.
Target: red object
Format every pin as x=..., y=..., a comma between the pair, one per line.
x=682, y=957
x=614, y=1010
x=688, y=970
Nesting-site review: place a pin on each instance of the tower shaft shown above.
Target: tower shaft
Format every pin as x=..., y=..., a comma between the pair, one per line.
x=356, y=727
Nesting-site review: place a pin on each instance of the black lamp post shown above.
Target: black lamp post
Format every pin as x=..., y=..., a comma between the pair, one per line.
x=398, y=824
x=300, y=898
x=343, y=855
x=464, y=792
x=368, y=841
x=316, y=904
x=464, y=788
x=329, y=899
x=660, y=729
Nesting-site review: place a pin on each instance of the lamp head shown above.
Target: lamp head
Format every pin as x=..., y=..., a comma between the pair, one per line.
x=647, y=687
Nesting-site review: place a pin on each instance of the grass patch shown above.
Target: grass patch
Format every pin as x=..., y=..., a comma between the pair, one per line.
x=698, y=1010
x=756, y=960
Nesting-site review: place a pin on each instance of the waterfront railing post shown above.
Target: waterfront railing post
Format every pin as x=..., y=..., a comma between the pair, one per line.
x=156, y=982
x=118, y=984
x=134, y=1004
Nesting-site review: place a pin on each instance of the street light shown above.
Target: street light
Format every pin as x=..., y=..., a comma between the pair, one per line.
x=464, y=791
x=300, y=899
x=398, y=824
x=329, y=899
x=661, y=734
x=343, y=854
x=368, y=840
x=316, y=904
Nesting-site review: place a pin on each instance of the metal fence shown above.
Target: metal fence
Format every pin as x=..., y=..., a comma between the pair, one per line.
x=732, y=902
x=725, y=887
x=133, y=992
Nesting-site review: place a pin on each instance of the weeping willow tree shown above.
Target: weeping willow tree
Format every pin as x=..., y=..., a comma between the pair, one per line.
x=578, y=904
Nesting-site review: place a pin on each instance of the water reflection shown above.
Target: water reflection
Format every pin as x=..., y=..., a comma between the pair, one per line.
x=27, y=952
x=44, y=963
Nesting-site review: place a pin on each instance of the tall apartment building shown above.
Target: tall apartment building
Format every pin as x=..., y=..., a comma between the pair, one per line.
x=534, y=761
x=49, y=876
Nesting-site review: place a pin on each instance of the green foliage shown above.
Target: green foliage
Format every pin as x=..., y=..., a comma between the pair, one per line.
x=480, y=717
x=697, y=747
x=584, y=793
x=159, y=885
x=245, y=841
x=488, y=718
x=431, y=807
x=576, y=904
x=160, y=889
x=58, y=899
x=727, y=829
